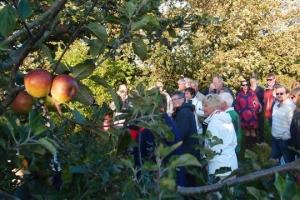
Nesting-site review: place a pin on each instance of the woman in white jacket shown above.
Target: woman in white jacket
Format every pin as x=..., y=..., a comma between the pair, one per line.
x=190, y=95
x=219, y=125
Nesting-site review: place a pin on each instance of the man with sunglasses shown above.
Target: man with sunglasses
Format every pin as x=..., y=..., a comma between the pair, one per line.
x=282, y=115
x=269, y=97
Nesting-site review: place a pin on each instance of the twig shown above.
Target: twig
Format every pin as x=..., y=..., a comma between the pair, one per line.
x=243, y=179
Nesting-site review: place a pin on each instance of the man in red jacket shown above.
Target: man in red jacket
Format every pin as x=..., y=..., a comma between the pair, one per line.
x=269, y=96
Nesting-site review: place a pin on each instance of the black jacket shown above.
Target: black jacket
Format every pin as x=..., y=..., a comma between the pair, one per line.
x=186, y=124
x=295, y=130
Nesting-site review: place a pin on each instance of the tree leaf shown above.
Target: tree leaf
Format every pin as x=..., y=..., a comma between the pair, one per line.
x=256, y=193
x=97, y=47
x=24, y=9
x=78, y=117
x=83, y=70
x=130, y=8
x=7, y=20
x=36, y=122
x=185, y=160
x=279, y=184
x=165, y=151
x=146, y=21
x=140, y=48
x=84, y=95
x=47, y=145
x=98, y=30
x=123, y=142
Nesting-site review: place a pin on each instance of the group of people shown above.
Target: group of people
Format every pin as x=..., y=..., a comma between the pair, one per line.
x=230, y=123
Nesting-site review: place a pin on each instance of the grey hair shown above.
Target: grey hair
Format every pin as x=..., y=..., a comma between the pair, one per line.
x=212, y=100
x=227, y=98
x=181, y=81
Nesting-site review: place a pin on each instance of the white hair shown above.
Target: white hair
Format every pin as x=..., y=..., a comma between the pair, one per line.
x=227, y=98
x=212, y=100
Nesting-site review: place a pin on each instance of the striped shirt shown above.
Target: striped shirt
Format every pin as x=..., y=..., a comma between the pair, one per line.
x=281, y=119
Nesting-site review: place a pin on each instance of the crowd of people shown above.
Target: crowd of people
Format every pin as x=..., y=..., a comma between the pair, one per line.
x=237, y=120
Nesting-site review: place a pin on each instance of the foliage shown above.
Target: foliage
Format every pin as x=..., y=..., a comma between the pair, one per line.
x=103, y=44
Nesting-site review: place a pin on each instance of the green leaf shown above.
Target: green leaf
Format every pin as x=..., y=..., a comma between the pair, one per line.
x=123, y=142
x=168, y=183
x=97, y=47
x=83, y=70
x=24, y=9
x=279, y=184
x=2, y=143
x=147, y=21
x=257, y=194
x=7, y=20
x=130, y=8
x=84, y=95
x=78, y=117
x=149, y=166
x=98, y=30
x=127, y=163
x=165, y=151
x=36, y=123
x=185, y=160
x=47, y=52
x=47, y=145
x=140, y=48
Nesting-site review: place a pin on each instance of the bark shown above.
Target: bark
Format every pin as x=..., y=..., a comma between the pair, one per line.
x=239, y=180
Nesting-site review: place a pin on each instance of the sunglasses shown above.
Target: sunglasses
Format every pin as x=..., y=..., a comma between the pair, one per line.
x=277, y=94
x=270, y=79
x=244, y=84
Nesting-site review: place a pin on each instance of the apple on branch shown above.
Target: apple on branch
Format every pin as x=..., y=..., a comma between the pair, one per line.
x=22, y=103
x=38, y=83
x=64, y=88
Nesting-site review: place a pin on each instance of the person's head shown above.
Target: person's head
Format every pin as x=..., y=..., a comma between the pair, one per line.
x=189, y=93
x=295, y=96
x=211, y=103
x=122, y=91
x=188, y=82
x=177, y=99
x=282, y=93
x=253, y=81
x=107, y=120
x=217, y=82
x=194, y=84
x=271, y=80
x=226, y=100
x=244, y=86
x=181, y=84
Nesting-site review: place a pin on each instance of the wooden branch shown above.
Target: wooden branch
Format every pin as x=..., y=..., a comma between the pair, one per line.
x=17, y=56
x=31, y=25
x=243, y=179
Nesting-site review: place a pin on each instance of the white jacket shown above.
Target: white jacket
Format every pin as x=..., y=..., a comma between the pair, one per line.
x=282, y=118
x=220, y=125
x=198, y=113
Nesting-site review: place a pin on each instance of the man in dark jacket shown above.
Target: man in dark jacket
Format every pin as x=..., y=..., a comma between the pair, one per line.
x=186, y=124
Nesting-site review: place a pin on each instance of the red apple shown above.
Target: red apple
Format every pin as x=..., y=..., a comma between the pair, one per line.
x=22, y=103
x=64, y=88
x=38, y=83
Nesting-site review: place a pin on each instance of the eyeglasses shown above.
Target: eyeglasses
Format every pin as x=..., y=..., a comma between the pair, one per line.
x=244, y=84
x=277, y=94
x=270, y=79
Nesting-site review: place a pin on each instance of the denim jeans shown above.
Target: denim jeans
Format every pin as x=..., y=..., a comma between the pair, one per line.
x=280, y=148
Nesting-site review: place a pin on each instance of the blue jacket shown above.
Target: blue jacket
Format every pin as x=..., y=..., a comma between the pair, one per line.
x=186, y=124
